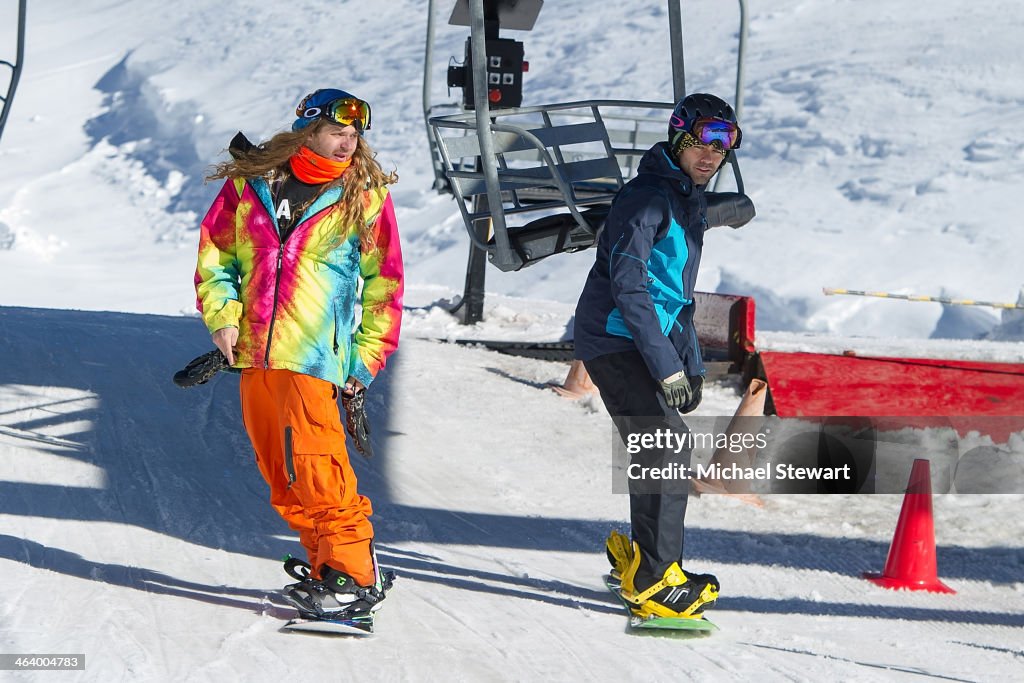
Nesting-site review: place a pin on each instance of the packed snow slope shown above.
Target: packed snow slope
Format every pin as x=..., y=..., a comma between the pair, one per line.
x=134, y=528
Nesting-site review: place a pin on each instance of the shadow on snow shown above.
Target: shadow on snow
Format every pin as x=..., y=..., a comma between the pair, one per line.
x=177, y=462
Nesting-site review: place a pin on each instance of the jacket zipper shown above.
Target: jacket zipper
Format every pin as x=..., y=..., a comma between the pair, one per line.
x=277, y=280
x=273, y=313
x=703, y=204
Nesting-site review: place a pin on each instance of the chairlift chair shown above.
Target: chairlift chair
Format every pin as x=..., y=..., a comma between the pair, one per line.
x=531, y=182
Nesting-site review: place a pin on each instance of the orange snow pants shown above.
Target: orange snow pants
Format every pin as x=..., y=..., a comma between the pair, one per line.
x=295, y=428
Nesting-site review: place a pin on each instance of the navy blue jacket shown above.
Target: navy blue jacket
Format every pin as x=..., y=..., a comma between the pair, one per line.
x=639, y=294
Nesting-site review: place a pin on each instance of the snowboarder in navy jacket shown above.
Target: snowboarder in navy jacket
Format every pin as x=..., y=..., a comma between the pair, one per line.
x=634, y=333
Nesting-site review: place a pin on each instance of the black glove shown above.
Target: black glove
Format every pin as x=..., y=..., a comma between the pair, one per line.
x=201, y=370
x=697, y=385
x=677, y=391
x=356, y=423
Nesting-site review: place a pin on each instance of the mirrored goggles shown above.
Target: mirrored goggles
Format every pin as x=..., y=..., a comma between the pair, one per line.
x=709, y=130
x=349, y=111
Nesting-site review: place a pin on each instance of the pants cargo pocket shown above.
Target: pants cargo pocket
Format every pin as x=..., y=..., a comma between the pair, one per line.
x=312, y=413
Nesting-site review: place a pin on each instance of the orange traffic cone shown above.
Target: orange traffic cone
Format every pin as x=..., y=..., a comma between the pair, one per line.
x=911, y=562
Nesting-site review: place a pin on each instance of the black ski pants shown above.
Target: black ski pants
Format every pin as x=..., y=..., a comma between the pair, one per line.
x=657, y=508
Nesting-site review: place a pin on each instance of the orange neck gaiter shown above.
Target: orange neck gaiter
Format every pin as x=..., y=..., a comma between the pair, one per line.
x=313, y=169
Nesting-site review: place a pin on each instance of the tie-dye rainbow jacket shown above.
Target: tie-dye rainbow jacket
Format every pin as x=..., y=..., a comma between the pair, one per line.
x=294, y=303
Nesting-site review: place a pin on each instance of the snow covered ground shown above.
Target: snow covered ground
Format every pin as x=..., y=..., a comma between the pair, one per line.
x=884, y=150
x=134, y=529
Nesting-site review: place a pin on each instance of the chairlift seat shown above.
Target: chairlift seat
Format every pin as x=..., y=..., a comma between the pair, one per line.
x=555, y=234
x=734, y=209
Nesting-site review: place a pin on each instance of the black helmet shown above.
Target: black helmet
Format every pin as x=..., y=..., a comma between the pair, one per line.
x=696, y=106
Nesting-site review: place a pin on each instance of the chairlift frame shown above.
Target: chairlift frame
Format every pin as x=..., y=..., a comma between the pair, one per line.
x=471, y=153
x=15, y=66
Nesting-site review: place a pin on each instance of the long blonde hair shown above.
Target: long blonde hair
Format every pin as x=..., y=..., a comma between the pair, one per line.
x=270, y=160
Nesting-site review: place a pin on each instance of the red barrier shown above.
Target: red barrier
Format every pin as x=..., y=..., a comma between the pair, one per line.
x=967, y=395
x=726, y=322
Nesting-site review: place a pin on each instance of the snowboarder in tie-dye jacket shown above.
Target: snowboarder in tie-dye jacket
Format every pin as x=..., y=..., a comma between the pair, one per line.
x=300, y=221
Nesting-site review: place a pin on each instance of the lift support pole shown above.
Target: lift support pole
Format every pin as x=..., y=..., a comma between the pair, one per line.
x=484, y=26
x=675, y=33
x=19, y=58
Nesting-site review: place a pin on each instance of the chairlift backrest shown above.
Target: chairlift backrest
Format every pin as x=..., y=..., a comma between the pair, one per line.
x=555, y=158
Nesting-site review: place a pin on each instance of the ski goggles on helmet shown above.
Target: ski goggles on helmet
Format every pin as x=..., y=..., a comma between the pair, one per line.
x=709, y=130
x=346, y=111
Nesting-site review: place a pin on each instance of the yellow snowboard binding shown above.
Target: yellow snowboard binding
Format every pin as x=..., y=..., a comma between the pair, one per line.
x=619, y=549
x=676, y=595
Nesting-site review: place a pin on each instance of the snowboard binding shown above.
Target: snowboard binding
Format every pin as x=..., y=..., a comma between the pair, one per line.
x=201, y=370
x=296, y=568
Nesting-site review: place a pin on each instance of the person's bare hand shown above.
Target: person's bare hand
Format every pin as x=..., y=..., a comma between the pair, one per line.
x=352, y=385
x=225, y=340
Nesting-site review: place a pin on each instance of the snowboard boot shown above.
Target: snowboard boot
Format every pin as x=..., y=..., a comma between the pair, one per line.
x=675, y=594
x=619, y=550
x=336, y=595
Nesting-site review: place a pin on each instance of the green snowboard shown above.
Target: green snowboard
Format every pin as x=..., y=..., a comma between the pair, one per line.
x=701, y=625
